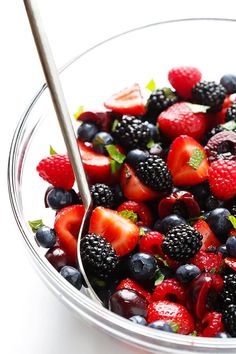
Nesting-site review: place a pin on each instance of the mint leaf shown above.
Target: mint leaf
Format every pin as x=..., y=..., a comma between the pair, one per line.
x=196, y=159
x=35, y=224
x=129, y=214
x=79, y=111
x=52, y=151
x=213, y=270
x=159, y=279
x=151, y=86
x=169, y=93
x=115, y=154
x=174, y=326
x=231, y=125
x=159, y=258
x=196, y=218
x=194, y=334
x=151, y=144
x=232, y=219
x=141, y=232
x=114, y=125
x=197, y=108
x=114, y=166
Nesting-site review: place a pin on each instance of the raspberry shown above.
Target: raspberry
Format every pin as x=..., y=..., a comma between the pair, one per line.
x=183, y=79
x=151, y=243
x=57, y=170
x=208, y=261
x=222, y=179
x=170, y=289
x=212, y=324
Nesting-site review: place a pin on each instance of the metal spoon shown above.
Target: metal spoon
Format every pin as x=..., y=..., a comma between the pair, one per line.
x=54, y=85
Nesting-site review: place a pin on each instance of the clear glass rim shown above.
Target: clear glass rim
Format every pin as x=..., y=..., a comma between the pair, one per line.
x=116, y=325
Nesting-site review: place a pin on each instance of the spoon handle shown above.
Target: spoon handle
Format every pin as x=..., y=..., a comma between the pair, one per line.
x=52, y=78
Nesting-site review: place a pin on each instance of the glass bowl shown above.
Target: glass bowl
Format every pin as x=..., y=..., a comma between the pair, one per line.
x=135, y=56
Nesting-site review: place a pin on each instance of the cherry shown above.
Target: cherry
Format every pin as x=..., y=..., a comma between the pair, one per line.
x=128, y=303
x=57, y=257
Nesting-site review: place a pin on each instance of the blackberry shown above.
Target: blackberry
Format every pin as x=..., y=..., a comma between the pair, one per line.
x=229, y=319
x=231, y=113
x=209, y=93
x=158, y=101
x=182, y=242
x=98, y=255
x=154, y=173
x=102, y=195
x=228, y=294
x=131, y=132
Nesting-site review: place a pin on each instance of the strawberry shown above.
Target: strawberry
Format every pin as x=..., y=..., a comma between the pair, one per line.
x=170, y=311
x=132, y=285
x=209, y=238
x=230, y=262
x=183, y=79
x=211, y=324
x=187, y=161
x=180, y=119
x=122, y=233
x=102, y=119
x=151, y=243
x=133, y=188
x=169, y=289
x=56, y=170
x=141, y=209
x=208, y=261
x=97, y=166
x=128, y=101
x=222, y=179
x=67, y=225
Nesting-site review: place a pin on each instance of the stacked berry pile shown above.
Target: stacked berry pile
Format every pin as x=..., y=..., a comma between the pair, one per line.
x=161, y=246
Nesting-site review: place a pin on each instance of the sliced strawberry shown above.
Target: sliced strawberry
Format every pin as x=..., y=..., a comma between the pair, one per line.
x=208, y=261
x=67, y=225
x=133, y=188
x=230, y=262
x=187, y=161
x=209, y=238
x=143, y=211
x=127, y=101
x=132, y=285
x=122, y=233
x=97, y=166
x=170, y=311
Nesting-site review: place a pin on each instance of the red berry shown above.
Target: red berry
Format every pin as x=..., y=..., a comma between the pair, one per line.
x=102, y=119
x=181, y=119
x=133, y=188
x=141, y=209
x=187, y=161
x=208, y=237
x=208, y=261
x=182, y=199
x=128, y=101
x=170, y=289
x=56, y=170
x=222, y=179
x=67, y=225
x=151, y=243
x=122, y=233
x=211, y=324
x=57, y=257
x=230, y=262
x=183, y=79
x=170, y=311
x=132, y=285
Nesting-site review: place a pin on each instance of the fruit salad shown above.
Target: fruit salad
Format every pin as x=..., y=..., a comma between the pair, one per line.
x=161, y=245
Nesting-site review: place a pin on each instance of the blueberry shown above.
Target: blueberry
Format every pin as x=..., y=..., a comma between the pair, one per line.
x=219, y=223
x=87, y=131
x=222, y=249
x=59, y=198
x=119, y=196
x=229, y=83
x=231, y=246
x=72, y=275
x=100, y=141
x=135, y=156
x=161, y=325
x=170, y=221
x=154, y=132
x=213, y=203
x=187, y=272
x=142, y=266
x=157, y=226
x=138, y=320
x=223, y=335
x=45, y=237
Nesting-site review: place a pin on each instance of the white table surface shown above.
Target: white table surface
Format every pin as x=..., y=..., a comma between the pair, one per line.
x=32, y=320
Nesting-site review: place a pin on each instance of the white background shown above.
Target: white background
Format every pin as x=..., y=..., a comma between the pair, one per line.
x=32, y=320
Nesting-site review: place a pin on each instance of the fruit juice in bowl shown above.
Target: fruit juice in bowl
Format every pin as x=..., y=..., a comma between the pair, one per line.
x=157, y=139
